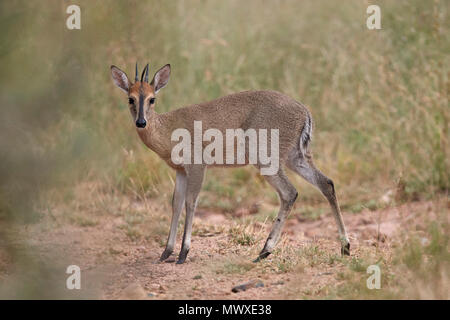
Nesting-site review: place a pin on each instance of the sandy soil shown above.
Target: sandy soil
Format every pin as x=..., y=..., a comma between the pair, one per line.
x=113, y=266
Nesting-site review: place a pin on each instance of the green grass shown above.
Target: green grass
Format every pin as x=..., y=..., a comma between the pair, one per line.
x=238, y=267
x=242, y=236
x=417, y=270
x=379, y=98
x=83, y=221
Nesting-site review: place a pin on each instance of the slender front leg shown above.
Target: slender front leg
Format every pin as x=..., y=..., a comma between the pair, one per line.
x=179, y=195
x=195, y=174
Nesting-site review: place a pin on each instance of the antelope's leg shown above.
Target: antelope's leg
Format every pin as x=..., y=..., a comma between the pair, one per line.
x=288, y=194
x=307, y=170
x=179, y=195
x=195, y=174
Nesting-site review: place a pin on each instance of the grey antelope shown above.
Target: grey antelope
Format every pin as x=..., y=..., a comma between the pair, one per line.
x=244, y=110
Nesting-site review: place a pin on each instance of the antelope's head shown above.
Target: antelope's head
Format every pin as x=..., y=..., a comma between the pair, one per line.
x=141, y=93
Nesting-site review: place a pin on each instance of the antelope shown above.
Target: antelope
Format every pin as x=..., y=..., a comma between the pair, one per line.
x=243, y=110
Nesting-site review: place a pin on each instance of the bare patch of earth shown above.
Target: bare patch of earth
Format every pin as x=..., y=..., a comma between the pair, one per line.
x=114, y=266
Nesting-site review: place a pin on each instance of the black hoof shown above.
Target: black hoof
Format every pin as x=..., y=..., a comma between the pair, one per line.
x=182, y=257
x=345, y=250
x=165, y=255
x=262, y=256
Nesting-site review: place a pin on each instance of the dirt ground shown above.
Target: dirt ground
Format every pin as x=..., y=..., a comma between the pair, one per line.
x=117, y=266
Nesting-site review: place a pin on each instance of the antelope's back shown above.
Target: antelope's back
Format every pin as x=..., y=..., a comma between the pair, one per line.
x=270, y=110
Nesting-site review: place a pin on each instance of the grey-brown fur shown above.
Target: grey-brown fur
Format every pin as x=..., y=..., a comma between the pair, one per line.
x=249, y=109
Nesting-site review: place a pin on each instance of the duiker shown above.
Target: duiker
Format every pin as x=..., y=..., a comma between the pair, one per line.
x=244, y=110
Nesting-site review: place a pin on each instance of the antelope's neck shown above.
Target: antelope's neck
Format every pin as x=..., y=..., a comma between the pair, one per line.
x=155, y=135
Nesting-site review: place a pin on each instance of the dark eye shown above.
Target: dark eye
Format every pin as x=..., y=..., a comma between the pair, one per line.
x=152, y=100
x=130, y=101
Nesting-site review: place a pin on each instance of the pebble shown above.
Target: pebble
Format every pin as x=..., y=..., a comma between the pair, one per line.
x=162, y=288
x=248, y=285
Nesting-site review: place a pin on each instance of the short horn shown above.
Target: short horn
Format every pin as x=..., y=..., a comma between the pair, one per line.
x=136, y=76
x=145, y=72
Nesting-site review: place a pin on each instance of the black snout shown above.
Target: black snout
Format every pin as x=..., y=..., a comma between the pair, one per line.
x=141, y=123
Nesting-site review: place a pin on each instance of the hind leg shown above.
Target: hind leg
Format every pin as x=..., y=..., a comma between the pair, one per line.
x=304, y=166
x=287, y=194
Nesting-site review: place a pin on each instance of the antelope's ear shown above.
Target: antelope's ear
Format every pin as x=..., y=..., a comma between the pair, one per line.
x=161, y=78
x=120, y=78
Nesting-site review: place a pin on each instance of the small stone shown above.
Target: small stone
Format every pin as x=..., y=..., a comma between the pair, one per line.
x=325, y=274
x=248, y=285
x=424, y=241
x=387, y=197
x=162, y=288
